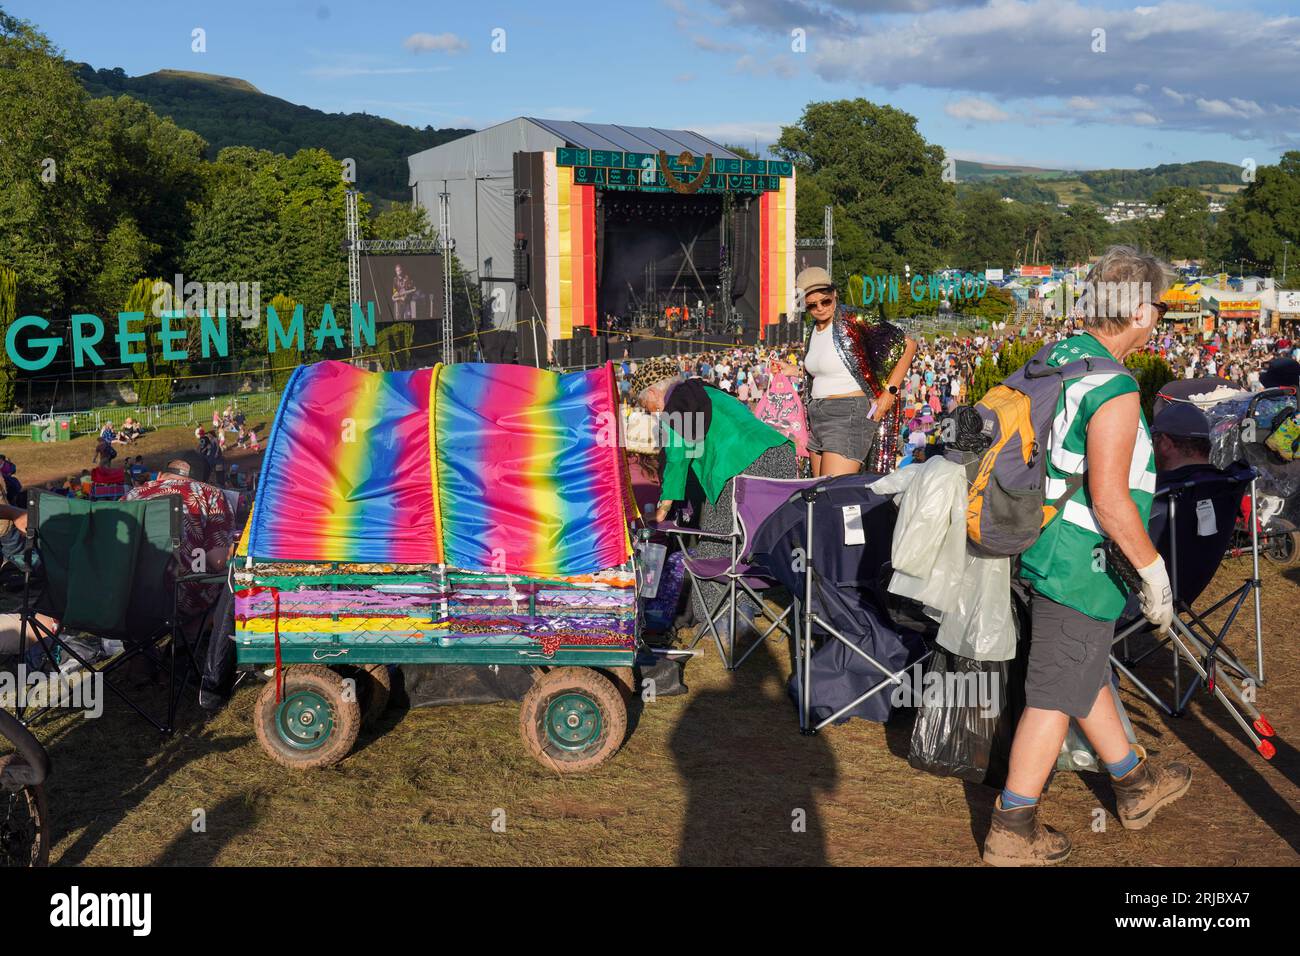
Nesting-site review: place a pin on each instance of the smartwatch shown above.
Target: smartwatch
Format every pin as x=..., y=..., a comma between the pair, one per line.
x=893, y=390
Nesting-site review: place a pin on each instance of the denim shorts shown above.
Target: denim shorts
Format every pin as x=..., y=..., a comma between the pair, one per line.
x=842, y=426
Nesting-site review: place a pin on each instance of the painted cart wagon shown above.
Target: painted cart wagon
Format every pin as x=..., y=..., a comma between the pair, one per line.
x=464, y=514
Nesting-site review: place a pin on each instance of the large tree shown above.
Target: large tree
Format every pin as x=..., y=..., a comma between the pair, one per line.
x=1184, y=226
x=1263, y=218
x=989, y=231
x=892, y=205
x=50, y=179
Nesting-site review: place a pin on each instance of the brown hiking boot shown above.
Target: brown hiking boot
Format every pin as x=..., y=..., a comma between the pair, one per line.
x=1145, y=789
x=1018, y=839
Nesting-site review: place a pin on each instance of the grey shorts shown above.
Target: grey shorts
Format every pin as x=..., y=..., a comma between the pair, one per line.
x=842, y=426
x=1069, y=657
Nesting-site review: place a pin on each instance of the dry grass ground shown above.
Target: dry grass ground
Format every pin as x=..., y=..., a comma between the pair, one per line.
x=715, y=776
x=711, y=777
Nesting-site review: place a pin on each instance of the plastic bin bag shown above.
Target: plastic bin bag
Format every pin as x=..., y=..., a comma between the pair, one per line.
x=965, y=723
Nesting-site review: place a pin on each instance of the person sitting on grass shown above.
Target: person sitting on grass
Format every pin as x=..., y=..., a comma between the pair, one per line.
x=130, y=432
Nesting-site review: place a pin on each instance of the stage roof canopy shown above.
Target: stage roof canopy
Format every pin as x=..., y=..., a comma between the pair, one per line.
x=633, y=139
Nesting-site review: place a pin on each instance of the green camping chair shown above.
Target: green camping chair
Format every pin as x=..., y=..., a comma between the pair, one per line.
x=103, y=570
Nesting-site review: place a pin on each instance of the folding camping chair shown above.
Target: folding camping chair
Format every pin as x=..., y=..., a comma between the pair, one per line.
x=753, y=500
x=1192, y=525
x=108, y=484
x=808, y=617
x=103, y=571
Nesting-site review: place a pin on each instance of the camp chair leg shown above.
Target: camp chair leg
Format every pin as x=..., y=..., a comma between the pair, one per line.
x=777, y=625
x=1147, y=691
x=1264, y=747
x=892, y=678
x=797, y=654
x=1256, y=585
x=710, y=622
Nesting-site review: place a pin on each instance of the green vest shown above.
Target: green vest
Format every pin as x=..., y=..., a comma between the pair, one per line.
x=1066, y=563
x=735, y=440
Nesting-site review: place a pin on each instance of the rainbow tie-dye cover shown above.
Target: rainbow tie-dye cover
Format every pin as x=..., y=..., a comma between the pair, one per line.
x=483, y=502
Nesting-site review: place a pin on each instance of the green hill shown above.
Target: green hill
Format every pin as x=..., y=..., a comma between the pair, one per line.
x=227, y=111
x=1099, y=186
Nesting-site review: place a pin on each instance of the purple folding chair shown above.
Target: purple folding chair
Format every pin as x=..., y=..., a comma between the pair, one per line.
x=753, y=500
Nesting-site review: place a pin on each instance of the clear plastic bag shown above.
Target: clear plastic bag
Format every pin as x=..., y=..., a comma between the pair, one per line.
x=1077, y=754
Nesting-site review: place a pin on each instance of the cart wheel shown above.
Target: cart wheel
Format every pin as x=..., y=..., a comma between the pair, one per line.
x=313, y=726
x=1285, y=549
x=374, y=685
x=573, y=719
x=24, y=824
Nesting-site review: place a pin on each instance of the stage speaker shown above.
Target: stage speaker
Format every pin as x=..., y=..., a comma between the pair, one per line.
x=522, y=262
x=602, y=349
x=583, y=351
x=530, y=340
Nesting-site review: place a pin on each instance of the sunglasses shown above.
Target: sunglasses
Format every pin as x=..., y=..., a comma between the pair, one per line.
x=829, y=300
x=1161, y=308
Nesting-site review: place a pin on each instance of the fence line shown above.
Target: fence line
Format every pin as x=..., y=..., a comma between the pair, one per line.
x=90, y=421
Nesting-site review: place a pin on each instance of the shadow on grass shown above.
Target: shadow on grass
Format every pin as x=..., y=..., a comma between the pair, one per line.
x=752, y=781
x=106, y=768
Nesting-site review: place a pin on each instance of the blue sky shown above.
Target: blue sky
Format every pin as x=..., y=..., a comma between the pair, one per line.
x=1015, y=81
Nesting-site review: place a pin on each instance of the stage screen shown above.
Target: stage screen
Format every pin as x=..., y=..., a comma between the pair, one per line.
x=404, y=288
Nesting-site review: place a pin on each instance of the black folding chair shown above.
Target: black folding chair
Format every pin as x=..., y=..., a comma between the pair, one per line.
x=1192, y=522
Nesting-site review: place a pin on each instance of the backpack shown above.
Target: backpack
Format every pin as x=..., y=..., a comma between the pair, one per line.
x=1006, y=504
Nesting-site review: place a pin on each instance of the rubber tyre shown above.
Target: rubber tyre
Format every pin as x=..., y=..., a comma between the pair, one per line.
x=1285, y=551
x=327, y=688
x=374, y=688
x=594, y=692
x=30, y=802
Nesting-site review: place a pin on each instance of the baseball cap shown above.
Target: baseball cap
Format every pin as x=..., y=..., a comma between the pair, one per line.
x=814, y=277
x=1181, y=420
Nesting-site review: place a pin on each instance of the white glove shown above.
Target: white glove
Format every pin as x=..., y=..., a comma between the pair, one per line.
x=1156, y=596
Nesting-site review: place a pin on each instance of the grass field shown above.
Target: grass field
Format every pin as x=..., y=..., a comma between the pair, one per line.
x=41, y=463
x=714, y=776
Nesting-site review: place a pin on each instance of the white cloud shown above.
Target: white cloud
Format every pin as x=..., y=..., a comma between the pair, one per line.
x=1192, y=65
x=1082, y=103
x=1216, y=108
x=976, y=110
x=434, y=43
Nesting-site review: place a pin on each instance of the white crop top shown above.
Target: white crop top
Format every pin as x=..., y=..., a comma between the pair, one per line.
x=823, y=363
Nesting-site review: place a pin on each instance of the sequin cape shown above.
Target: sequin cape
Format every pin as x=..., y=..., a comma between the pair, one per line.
x=869, y=349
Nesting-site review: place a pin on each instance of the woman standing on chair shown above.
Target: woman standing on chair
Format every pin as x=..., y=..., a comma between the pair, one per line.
x=714, y=436
x=856, y=365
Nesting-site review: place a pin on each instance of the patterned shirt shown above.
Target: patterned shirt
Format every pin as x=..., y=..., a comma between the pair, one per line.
x=1064, y=564
x=206, y=523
